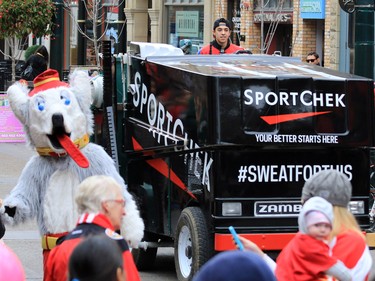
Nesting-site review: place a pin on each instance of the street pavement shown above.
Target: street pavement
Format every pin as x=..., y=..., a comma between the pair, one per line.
x=24, y=239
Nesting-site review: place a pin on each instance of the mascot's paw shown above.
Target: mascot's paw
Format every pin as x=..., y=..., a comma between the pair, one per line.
x=7, y=213
x=11, y=211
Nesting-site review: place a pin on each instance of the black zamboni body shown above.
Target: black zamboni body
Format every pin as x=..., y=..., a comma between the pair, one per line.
x=214, y=141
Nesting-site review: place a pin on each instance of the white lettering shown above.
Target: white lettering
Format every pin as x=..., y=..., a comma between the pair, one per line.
x=287, y=173
x=306, y=98
x=206, y=169
x=151, y=112
x=162, y=125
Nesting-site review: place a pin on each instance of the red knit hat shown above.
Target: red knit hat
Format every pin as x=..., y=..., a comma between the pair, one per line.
x=47, y=80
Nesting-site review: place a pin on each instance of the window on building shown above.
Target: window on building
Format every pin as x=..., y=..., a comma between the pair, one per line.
x=185, y=23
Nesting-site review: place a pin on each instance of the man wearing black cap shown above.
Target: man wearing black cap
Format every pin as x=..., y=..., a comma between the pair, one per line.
x=221, y=44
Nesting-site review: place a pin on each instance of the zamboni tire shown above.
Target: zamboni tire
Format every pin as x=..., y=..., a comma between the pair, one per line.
x=192, y=244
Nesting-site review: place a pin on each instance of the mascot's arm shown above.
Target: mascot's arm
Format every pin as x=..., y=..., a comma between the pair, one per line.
x=101, y=163
x=23, y=202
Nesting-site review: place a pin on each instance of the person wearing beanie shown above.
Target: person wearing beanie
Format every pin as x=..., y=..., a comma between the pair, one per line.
x=350, y=244
x=331, y=185
x=347, y=243
x=307, y=255
x=235, y=266
x=221, y=44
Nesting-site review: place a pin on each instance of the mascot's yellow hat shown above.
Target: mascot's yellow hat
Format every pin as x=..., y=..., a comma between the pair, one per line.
x=47, y=80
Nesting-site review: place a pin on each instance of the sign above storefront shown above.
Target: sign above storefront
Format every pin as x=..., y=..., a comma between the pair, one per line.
x=312, y=9
x=273, y=16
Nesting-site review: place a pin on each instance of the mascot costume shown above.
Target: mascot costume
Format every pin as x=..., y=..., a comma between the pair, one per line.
x=58, y=121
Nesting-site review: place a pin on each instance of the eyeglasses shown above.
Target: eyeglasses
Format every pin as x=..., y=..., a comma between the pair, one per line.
x=311, y=60
x=120, y=201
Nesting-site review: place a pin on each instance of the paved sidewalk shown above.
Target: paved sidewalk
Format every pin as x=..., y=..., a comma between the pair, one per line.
x=24, y=239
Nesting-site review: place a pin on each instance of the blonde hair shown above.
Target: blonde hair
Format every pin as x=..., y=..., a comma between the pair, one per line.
x=93, y=190
x=344, y=220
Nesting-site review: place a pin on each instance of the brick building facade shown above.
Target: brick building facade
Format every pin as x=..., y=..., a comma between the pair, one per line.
x=145, y=23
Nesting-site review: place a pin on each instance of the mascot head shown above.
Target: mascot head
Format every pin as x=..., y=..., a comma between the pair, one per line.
x=56, y=115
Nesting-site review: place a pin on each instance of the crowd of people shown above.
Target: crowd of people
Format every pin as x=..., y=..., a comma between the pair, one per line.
x=329, y=242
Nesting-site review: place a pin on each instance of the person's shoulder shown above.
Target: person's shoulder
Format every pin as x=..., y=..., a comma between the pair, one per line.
x=64, y=249
x=237, y=47
x=233, y=48
x=120, y=240
x=205, y=50
x=350, y=235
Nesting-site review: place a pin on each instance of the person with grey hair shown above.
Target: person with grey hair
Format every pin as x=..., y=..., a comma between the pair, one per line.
x=101, y=204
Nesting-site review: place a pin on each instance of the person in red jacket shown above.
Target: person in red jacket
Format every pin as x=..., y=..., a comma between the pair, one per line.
x=347, y=242
x=307, y=256
x=101, y=205
x=221, y=43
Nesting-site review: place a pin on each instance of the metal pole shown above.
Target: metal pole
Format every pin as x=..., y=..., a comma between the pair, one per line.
x=262, y=27
x=121, y=27
x=364, y=43
x=57, y=45
x=81, y=42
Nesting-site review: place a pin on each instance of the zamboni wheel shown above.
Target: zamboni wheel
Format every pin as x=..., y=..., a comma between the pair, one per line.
x=192, y=244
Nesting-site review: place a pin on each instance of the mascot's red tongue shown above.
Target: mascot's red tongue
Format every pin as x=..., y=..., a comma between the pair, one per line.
x=73, y=151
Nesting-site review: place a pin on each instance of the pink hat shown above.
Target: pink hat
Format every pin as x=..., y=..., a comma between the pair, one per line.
x=10, y=266
x=315, y=217
x=47, y=80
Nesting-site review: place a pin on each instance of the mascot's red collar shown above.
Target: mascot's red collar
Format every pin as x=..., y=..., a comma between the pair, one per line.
x=47, y=151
